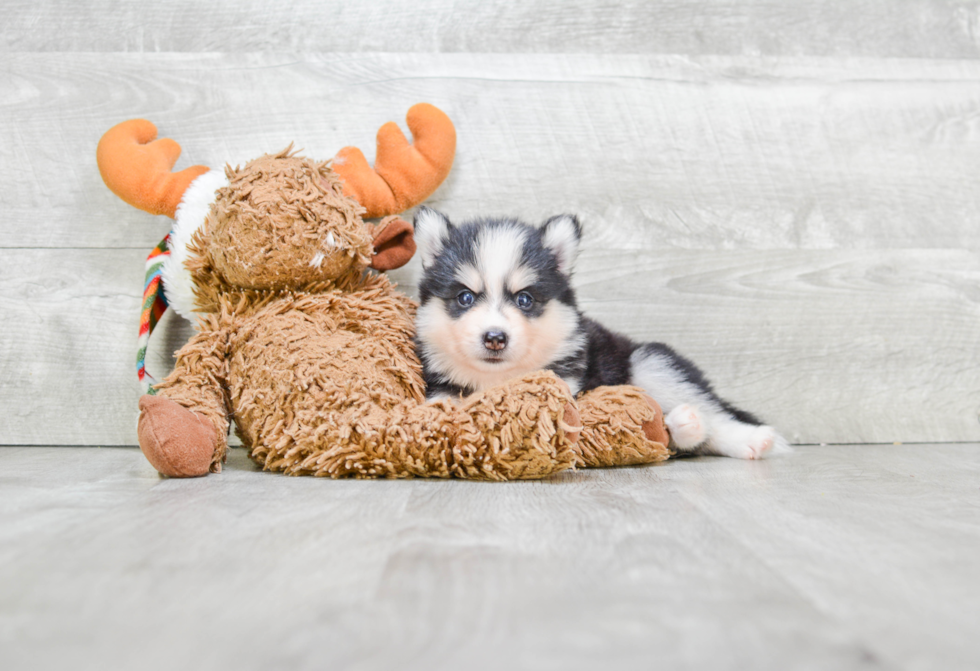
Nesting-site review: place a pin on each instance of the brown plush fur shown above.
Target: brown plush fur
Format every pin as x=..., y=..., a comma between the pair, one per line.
x=311, y=356
x=315, y=363
x=621, y=427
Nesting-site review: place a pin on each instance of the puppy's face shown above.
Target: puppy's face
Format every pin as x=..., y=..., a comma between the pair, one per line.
x=496, y=301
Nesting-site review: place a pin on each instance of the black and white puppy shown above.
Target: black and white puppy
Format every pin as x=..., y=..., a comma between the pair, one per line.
x=495, y=303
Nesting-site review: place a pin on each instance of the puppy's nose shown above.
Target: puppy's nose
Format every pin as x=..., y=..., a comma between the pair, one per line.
x=495, y=340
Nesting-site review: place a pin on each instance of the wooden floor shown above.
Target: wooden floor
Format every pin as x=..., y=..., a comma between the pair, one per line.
x=837, y=557
x=784, y=190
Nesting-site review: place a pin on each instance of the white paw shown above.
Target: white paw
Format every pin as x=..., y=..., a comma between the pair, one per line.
x=744, y=441
x=686, y=427
x=763, y=439
x=440, y=396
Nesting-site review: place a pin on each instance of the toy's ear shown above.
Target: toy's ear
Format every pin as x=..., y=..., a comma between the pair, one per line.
x=431, y=230
x=562, y=235
x=394, y=244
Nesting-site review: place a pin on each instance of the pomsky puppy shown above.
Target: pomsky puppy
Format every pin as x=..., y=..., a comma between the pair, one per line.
x=496, y=303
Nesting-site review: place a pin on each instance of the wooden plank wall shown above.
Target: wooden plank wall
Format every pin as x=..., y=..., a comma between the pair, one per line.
x=785, y=191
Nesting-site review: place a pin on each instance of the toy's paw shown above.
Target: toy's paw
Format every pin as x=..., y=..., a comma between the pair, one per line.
x=523, y=429
x=686, y=426
x=747, y=441
x=176, y=441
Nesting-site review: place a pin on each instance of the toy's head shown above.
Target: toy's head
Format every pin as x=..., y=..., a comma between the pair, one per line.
x=283, y=222
x=280, y=222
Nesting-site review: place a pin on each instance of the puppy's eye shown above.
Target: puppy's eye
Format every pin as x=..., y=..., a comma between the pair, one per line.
x=465, y=298
x=524, y=300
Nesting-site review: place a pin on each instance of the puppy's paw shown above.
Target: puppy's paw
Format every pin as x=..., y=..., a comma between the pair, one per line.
x=760, y=442
x=686, y=426
x=745, y=441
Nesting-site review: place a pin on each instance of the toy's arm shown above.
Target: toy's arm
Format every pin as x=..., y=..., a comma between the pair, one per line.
x=523, y=429
x=404, y=174
x=136, y=167
x=183, y=429
x=621, y=426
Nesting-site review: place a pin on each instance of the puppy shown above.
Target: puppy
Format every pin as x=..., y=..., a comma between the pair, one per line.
x=496, y=302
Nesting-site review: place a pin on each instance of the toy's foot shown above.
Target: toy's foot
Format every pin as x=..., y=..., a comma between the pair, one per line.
x=622, y=426
x=686, y=426
x=655, y=429
x=176, y=441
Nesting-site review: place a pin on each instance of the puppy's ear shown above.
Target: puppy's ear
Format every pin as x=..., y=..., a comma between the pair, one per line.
x=431, y=230
x=561, y=235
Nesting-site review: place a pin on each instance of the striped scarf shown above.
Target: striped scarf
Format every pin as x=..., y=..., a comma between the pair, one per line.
x=154, y=305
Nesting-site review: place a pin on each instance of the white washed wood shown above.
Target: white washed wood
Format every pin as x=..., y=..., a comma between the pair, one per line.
x=852, y=557
x=817, y=154
x=67, y=346
x=838, y=28
x=653, y=151
x=831, y=346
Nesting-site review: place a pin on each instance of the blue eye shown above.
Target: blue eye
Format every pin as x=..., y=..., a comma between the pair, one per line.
x=465, y=298
x=524, y=300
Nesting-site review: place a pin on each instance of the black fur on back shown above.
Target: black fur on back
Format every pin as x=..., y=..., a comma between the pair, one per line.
x=694, y=375
x=607, y=361
x=607, y=356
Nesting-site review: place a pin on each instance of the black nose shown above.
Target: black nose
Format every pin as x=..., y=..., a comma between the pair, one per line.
x=495, y=340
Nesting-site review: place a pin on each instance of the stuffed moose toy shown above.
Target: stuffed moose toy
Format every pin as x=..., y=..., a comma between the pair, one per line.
x=309, y=352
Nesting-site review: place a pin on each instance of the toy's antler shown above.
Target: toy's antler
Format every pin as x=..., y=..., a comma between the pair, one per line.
x=404, y=174
x=137, y=167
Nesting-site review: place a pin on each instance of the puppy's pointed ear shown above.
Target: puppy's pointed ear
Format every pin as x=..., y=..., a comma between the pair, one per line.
x=562, y=235
x=431, y=230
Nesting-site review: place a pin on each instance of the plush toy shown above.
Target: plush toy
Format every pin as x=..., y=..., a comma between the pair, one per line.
x=311, y=354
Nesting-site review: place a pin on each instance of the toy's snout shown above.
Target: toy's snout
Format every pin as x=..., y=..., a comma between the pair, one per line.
x=394, y=244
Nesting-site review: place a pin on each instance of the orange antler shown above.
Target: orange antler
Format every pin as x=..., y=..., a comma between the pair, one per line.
x=404, y=174
x=137, y=167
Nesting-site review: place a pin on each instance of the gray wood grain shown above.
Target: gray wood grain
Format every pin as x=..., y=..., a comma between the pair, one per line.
x=656, y=152
x=831, y=346
x=836, y=28
x=851, y=557
x=67, y=346
x=806, y=228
